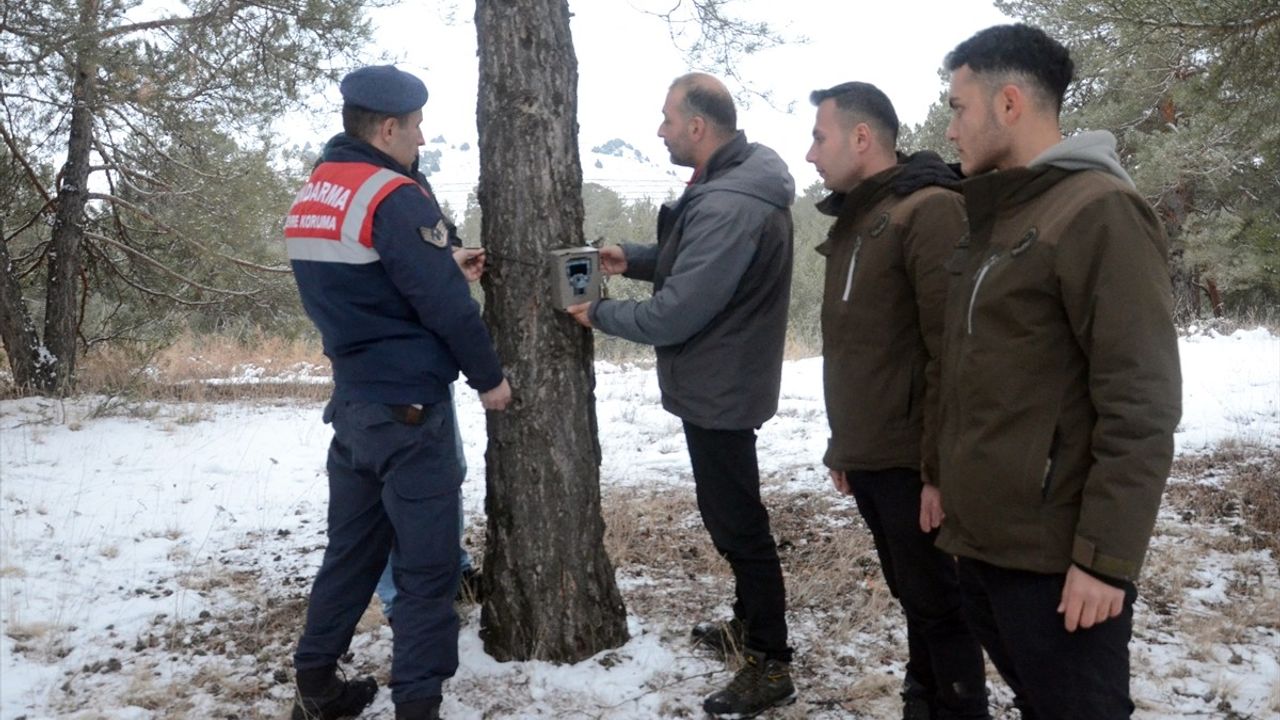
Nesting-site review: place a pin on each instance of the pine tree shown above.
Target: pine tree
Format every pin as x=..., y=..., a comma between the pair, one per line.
x=1191, y=90
x=155, y=125
x=545, y=550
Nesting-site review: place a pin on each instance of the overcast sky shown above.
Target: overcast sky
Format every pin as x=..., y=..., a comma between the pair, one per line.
x=626, y=60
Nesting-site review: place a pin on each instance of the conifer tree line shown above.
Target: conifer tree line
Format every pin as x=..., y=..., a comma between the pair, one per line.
x=141, y=193
x=1191, y=90
x=138, y=187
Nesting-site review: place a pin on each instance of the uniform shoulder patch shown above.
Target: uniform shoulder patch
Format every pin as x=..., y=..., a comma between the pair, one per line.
x=437, y=235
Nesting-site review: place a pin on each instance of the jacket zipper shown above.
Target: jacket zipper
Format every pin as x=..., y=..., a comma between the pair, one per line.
x=973, y=297
x=853, y=262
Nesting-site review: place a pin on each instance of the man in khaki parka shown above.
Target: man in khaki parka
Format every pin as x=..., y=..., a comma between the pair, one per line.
x=882, y=314
x=1060, y=379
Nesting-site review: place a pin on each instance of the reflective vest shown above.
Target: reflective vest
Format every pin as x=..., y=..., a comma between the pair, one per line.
x=332, y=215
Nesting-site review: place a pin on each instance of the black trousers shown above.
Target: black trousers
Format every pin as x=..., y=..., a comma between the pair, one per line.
x=1054, y=674
x=944, y=658
x=727, y=476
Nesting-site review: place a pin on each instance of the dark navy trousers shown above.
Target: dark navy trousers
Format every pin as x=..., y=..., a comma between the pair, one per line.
x=393, y=485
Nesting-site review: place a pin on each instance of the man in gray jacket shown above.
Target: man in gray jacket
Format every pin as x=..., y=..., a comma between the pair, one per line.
x=721, y=274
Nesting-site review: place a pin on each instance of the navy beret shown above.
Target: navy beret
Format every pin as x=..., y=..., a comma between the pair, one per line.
x=383, y=89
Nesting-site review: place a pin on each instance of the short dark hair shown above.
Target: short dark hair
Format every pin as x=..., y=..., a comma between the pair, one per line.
x=706, y=97
x=1020, y=49
x=360, y=123
x=862, y=102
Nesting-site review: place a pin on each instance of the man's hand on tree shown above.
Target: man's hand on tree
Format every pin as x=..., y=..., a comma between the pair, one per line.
x=582, y=313
x=470, y=261
x=498, y=398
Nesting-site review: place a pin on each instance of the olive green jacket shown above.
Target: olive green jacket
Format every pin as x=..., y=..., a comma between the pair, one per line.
x=882, y=312
x=1060, y=374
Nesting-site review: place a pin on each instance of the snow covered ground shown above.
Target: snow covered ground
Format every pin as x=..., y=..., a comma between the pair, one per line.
x=154, y=562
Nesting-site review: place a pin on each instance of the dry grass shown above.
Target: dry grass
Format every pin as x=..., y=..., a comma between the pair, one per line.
x=197, y=369
x=833, y=581
x=1236, y=485
x=40, y=641
x=800, y=348
x=234, y=661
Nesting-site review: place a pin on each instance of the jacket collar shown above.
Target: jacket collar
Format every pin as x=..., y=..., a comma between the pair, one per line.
x=863, y=195
x=725, y=157
x=988, y=194
x=345, y=148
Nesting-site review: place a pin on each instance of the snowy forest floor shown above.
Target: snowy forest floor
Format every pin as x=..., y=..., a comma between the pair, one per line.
x=155, y=562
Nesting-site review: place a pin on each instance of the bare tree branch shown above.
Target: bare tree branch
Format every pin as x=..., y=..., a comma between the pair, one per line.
x=721, y=39
x=121, y=202
x=26, y=166
x=162, y=267
x=151, y=292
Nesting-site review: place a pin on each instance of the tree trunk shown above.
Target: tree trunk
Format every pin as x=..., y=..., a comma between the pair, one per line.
x=62, y=297
x=1215, y=297
x=17, y=331
x=552, y=591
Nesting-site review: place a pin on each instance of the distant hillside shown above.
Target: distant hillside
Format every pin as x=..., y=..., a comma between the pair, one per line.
x=454, y=168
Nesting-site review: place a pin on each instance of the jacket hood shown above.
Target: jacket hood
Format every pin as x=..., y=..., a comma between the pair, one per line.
x=750, y=169
x=1093, y=150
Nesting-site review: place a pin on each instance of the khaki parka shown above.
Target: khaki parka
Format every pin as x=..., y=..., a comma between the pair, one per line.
x=882, y=314
x=1060, y=372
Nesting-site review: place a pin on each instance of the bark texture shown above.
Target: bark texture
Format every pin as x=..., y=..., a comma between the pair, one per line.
x=552, y=594
x=62, y=295
x=18, y=332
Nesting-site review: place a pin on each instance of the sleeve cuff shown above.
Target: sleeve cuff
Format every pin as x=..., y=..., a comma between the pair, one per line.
x=1107, y=568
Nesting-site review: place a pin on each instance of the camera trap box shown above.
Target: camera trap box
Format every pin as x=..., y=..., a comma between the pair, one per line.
x=575, y=275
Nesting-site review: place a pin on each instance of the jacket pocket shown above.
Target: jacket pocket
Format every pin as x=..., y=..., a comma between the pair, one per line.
x=380, y=444
x=424, y=460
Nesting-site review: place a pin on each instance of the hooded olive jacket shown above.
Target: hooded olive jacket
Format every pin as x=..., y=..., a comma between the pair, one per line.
x=1060, y=374
x=882, y=315
x=721, y=274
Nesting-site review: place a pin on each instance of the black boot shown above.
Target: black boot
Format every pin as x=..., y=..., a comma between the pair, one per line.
x=424, y=709
x=322, y=696
x=916, y=703
x=760, y=684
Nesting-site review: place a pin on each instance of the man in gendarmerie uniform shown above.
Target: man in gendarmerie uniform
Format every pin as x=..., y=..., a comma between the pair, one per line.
x=377, y=275
x=1060, y=380
x=882, y=313
x=721, y=274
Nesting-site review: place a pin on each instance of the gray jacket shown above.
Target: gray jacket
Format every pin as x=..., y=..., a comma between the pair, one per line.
x=721, y=274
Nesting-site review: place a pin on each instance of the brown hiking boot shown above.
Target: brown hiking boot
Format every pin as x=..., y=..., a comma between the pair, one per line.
x=759, y=685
